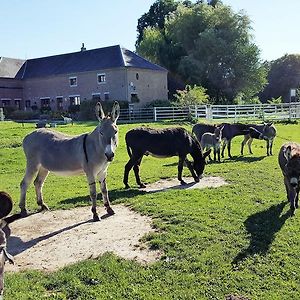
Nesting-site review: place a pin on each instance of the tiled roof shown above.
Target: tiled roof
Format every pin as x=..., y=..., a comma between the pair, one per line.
x=83, y=61
x=9, y=67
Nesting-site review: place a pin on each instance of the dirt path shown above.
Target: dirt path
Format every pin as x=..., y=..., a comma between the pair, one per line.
x=53, y=239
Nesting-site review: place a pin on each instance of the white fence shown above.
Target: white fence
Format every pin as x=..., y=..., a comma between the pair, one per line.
x=232, y=113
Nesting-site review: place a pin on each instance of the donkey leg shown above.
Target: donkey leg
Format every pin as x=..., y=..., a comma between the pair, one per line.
x=104, y=193
x=180, y=168
x=190, y=167
x=223, y=147
x=26, y=181
x=291, y=195
x=136, y=169
x=38, y=183
x=93, y=195
x=268, y=147
x=271, y=147
x=249, y=145
x=127, y=169
x=244, y=142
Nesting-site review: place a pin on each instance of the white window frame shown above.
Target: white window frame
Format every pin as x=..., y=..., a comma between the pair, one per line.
x=96, y=94
x=100, y=75
x=75, y=96
x=45, y=98
x=6, y=99
x=71, y=78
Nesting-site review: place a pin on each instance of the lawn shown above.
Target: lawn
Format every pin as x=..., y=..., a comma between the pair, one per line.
x=237, y=239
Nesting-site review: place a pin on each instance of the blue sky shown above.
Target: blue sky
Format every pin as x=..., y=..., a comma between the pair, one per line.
x=37, y=28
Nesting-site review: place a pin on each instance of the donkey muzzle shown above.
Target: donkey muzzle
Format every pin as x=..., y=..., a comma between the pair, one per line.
x=110, y=156
x=294, y=182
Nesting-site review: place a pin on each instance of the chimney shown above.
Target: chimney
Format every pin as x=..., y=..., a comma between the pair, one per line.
x=83, y=48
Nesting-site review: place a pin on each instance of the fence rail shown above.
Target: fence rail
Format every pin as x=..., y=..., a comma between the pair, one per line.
x=232, y=113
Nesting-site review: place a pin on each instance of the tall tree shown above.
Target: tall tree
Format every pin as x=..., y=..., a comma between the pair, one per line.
x=211, y=46
x=155, y=17
x=283, y=75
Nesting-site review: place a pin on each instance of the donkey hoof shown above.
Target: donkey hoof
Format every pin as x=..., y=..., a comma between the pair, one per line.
x=142, y=185
x=110, y=211
x=127, y=186
x=96, y=218
x=183, y=182
x=197, y=179
x=24, y=213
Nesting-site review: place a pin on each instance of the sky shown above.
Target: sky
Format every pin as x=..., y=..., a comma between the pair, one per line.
x=38, y=28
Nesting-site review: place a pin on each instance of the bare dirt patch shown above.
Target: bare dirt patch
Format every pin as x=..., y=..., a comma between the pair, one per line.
x=53, y=239
x=173, y=183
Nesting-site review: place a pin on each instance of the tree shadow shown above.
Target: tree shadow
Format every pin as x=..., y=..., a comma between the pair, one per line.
x=113, y=196
x=262, y=227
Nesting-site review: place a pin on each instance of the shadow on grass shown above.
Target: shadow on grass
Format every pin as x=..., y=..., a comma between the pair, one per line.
x=113, y=196
x=246, y=159
x=240, y=158
x=263, y=226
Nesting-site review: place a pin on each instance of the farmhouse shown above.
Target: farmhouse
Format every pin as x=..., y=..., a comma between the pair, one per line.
x=60, y=81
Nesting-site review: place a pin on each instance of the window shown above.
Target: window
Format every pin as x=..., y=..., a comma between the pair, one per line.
x=73, y=81
x=59, y=103
x=134, y=98
x=96, y=96
x=101, y=78
x=74, y=100
x=27, y=103
x=18, y=103
x=106, y=96
x=45, y=102
x=5, y=102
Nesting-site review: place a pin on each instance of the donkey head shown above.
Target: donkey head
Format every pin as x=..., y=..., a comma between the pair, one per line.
x=218, y=133
x=292, y=167
x=108, y=129
x=199, y=158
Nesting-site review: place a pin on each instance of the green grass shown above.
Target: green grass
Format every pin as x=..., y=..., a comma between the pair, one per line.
x=236, y=239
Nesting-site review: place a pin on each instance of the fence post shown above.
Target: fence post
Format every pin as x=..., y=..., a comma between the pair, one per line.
x=196, y=112
x=1, y=114
x=290, y=112
x=155, y=115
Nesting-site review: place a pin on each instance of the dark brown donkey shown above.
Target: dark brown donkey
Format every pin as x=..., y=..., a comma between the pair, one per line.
x=6, y=205
x=163, y=143
x=289, y=162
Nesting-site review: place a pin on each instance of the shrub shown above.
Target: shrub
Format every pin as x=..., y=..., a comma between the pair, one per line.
x=192, y=95
x=24, y=115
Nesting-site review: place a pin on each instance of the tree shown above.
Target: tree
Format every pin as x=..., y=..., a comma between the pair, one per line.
x=282, y=76
x=210, y=46
x=155, y=17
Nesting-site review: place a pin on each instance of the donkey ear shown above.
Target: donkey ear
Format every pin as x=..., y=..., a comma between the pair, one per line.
x=287, y=152
x=115, y=113
x=99, y=112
